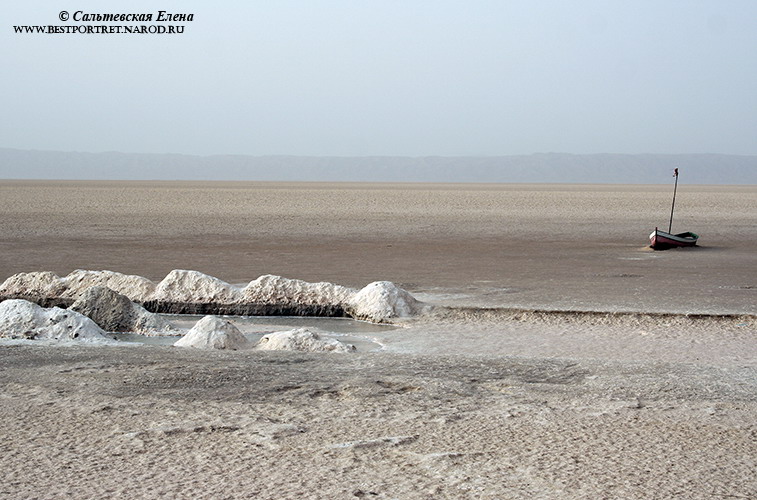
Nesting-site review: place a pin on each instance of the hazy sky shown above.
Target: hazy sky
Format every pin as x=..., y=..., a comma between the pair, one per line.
x=386, y=77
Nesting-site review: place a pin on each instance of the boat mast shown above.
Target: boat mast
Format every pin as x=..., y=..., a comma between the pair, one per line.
x=670, y=226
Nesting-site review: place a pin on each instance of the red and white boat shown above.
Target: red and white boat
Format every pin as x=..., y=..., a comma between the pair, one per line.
x=660, y=240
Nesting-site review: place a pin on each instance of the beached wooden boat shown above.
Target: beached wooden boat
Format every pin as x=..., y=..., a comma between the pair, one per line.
x=660, y=240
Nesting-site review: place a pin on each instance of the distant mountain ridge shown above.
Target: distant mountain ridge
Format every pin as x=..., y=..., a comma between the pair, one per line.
x=539, y=167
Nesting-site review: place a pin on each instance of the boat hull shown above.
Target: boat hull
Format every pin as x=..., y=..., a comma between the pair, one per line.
x=660, y=240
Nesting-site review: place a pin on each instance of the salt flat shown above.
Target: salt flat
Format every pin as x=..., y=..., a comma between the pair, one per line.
x=527, y=245
x=476, y=404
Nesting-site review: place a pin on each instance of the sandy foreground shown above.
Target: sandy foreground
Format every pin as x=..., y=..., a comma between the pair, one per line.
x=478, y=405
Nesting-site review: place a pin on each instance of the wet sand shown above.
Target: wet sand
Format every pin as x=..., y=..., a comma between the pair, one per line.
x=475, y=405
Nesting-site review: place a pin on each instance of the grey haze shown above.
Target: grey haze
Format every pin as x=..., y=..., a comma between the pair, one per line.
x=387, y=78
x=599, y=168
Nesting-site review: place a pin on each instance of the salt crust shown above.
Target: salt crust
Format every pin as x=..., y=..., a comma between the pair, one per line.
x=23, y=319
x=379, y=301
x=301, y=339
x=212, y=332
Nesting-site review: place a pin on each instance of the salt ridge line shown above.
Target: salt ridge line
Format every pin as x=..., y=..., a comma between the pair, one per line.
x=192, y=292
x=274, y=295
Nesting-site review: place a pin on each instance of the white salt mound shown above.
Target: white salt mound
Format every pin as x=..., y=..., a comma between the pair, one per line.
x=383, y=300
x=212, y=332
x=26, y=320
x=150, y=324
x=301, y=339
x=41, y=284
x=50, y=285
x=134, y=287
x=195, y=287
x=114, y=312
x=270, y=289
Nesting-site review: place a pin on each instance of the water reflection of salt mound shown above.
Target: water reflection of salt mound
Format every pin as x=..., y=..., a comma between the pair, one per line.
x=192, y=292
x=301, y=339
x=26, y=320
x=212, y=332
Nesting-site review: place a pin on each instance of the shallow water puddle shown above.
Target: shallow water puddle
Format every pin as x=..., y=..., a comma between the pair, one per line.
x=345, y=330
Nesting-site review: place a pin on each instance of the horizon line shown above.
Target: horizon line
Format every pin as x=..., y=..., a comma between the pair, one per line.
x=291, y=155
